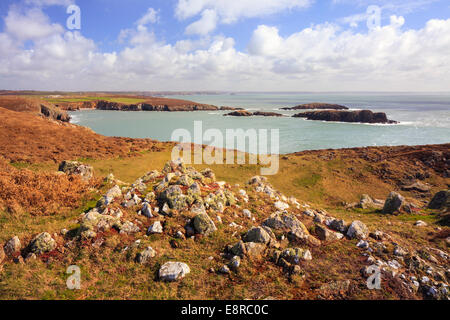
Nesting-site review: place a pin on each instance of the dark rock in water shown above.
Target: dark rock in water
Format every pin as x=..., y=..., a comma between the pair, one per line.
x=230, y=108
x=441, y=200
x=316, y=105
x=361, y=116
x=244, y=113
x=240, y=113
x=267, y=114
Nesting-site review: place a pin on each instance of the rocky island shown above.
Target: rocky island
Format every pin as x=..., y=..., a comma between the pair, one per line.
x=362, y=116
x=317, y=106
x=244, y=113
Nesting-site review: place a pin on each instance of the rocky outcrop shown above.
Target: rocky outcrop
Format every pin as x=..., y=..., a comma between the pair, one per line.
x=107, y=105
x=244, y=113
x=76, y=168
x=317, y=106
x=361, y=116
x=440, y=201
x=54, y=113
x=393, y=203
x=239, y=113
x=225, y=108
x=42, y=243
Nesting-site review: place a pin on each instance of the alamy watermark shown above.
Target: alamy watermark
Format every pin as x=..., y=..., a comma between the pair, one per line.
x=374, y=280
x=74, y=20
x=74, y=280
x=263, y=147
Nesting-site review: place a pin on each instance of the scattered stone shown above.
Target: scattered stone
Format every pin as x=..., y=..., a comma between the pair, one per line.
x=247, y=213
x=63, y=232
x=357, y=230
x=417, y=186
x=235, y=263
x=254, y=250
x=362, y=244
x=400, y=252
x=338, y=225
x=12, y=246
x=147, y=210
x=441, y=200
x=420, y=223
x=377, y=235
x=281, y=205
x=393, y=203
x=146, y=255
x=173, y=271
x=76, y=168
x=366, y=202
x=203, y=224
x=258, y=235
x=325, y=234
x=155, y=228
x=42, y=243
x=129, y=228
x=224, y=269
x=295, y=255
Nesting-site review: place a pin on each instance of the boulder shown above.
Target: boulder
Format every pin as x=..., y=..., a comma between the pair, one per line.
x=224, y=270
x=13, y=246
x=146, y=255
x=357, y=230
x=280, y=205
x=155, y=228
x=173, y=271
x=366, y=202
x=76, y=168
x=42, y=243
x=338, y=225
x=325, y=234
x=393, y=203
x=258, y=235
x=235, y=262
x=203, y=224
x=129, y=227
x=147, y=210
x=440, y=201
x=417, y=186
x=296, y=255
x=284, y=221
x=254, y=250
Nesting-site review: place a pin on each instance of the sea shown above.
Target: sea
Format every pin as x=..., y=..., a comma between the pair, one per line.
x=424, y=119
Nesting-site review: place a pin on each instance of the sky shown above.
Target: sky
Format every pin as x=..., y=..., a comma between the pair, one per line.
x=225, y=45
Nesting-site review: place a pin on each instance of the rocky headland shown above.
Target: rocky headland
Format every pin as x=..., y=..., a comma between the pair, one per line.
x=317, y=106
x=361, y=116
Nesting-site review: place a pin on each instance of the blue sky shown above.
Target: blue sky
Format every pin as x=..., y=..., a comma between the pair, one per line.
x=209, y=44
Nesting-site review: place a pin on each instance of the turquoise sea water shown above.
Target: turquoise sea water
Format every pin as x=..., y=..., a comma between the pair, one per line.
x=424, y=119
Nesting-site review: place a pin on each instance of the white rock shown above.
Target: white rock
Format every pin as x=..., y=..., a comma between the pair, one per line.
x=281, y=205
x=247, y=213
x=155, y=228
x=420, y=223
x=173, y=271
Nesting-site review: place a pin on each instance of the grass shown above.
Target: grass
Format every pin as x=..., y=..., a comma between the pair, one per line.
x=87, y=99
x=109, y=273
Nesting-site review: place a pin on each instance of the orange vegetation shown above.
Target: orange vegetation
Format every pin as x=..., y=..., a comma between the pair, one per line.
x=38, y=193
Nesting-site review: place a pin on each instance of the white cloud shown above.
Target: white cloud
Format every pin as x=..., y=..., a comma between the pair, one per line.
x=226, y=11
x=205, y=25
x=33, y=24
x=322, y=57
x=151, y=16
